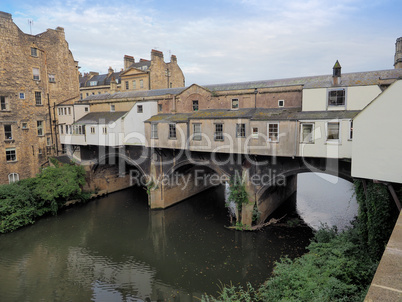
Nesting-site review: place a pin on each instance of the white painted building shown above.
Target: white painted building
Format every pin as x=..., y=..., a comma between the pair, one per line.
x=377, y=143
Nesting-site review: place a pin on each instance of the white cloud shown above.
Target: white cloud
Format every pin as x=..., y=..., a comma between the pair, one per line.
x=258, y=40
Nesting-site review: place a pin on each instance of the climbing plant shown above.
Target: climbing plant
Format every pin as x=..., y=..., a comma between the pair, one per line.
x=237, y=193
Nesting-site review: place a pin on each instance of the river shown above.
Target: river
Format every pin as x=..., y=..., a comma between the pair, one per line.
x=115, y=249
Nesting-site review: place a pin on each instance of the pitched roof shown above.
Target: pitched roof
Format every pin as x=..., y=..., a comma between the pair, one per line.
x=100, y=117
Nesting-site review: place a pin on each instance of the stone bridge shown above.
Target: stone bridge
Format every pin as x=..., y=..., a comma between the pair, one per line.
x=173, y=175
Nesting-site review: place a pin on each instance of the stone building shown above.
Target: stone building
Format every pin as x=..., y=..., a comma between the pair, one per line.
x=37, y=73
x=136, y=76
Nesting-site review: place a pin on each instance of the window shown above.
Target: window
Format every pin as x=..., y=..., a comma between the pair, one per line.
x=154, y=130
x=38, y=98
x=48, y=141
x=172, y=131
x=11, y=154
x=160, y=107
x=112, y=108
x=87, y=94
x=126, y=85
x=104, y=130
x=254, y=132
x=22, y=95
x=66, y=129
x=39, y=126
x=86, y=109
x=69, y=110
x=80, y=96
x=52, y=78
x=7, y=132
x=336, y=97
x=195, y=105
x=350, y=129
x=197, y=132
x=13, y=177
x=92, y=130
x=134, y=84
x=141, y=83
x=65, y=110
x=333, y=131
x=61, y=129
x=93, y=83
x=3, y=104
x=24, y=126
x=240, y=130
x=235, y=103
x=34, y=52
x=40, y=151
x=218, y=136
x=307, y=133
x=273, y=132
x=281, y=103
x=139, y=108
x=35, y=72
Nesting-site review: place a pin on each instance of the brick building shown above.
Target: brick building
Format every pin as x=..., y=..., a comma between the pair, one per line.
x=136, y=76
x=37, y=72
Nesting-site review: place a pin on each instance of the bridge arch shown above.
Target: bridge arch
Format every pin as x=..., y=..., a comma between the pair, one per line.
x=115, y=155
x=191, y=163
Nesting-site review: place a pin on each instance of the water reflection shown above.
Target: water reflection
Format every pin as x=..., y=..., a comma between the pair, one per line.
x=115, y=249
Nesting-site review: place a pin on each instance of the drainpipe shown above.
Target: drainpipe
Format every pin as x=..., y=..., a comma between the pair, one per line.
x=55, y=130
x=255, y=97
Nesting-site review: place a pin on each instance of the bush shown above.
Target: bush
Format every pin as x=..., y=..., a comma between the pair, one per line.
x=22, y=202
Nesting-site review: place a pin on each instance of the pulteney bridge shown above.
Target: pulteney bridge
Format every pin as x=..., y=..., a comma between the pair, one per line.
x=173, y=175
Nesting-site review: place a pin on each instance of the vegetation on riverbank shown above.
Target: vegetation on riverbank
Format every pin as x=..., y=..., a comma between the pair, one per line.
x=21, y=203
x=339, y=266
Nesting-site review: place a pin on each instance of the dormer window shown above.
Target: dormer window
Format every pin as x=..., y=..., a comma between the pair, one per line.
x=336, y=97
x=235, y=103
x=93, y=83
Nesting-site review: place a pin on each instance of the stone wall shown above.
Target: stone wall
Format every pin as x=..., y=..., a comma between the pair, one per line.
x=19, y=90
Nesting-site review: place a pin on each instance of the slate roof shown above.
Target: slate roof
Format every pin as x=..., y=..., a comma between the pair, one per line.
x=100, y=117
x=274, y=114
x=134, y=94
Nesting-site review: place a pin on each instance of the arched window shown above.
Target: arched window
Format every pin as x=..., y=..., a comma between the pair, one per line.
x=13, y=177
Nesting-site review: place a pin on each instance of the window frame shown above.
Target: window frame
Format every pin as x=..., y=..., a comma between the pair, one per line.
x=195, y=105
x=235, y=107
x=271, y=133
x=127, y=85
x=112, y=108
x=38, y=96
x=141, y=83
x=327, y=127
x=34, y=52
x=336, y=103
x=253, y=133
x=13, y=178
x=241, y=130
x=172, y=131
x=154, y=130
x=134, y=84
x=302, y=138
x=197, y=134
x=52, y=78
x=40, y=128
x=350, y=130
x=21, y=95
x=3, y=103
x=8, y=131
x=35, y=74
x=140, y=109
x=11, y=157
x=218, y=133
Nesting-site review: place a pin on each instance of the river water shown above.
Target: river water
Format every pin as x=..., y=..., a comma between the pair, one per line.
x=116, y=249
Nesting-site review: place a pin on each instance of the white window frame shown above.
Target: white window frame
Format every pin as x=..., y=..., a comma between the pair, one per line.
x=22, y=96
x=281, y=103
x=269, y=133
x=13, y=177
x=140, y=109
x=141, y=83
x=218, y=135
x=40, y=128
x=14, y=158
x=154, y=130
x=36, y=74
x=197, y=136
x=134, y=84
x=312, y=138
x=333, y=140
x=254, y=134
x=240, y=130
x=52, y=78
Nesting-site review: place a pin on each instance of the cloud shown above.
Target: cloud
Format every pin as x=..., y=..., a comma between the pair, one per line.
x=221, y=41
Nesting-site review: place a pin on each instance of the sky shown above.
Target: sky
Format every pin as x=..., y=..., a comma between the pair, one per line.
x=223, y=41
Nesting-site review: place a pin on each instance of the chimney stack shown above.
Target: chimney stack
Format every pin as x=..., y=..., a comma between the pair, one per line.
x=398, y=53
x=128, y=61
x=336, y=74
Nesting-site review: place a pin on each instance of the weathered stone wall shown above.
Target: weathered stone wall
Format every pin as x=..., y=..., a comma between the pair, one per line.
x=21, y=112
